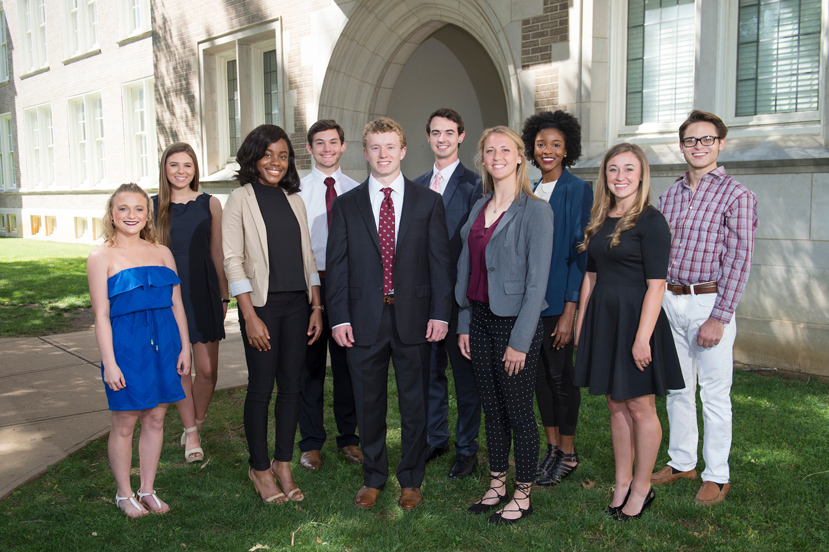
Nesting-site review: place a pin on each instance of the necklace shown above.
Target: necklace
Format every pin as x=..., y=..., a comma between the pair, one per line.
x=495, y=209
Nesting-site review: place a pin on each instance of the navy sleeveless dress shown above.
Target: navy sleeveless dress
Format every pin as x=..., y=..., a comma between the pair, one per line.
x=190, y=244
x=145, y=338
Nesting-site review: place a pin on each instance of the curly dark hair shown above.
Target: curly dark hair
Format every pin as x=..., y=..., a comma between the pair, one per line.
x=561, y=121
x=253, y=149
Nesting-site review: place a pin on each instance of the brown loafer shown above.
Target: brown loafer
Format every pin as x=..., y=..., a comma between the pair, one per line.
x=366, y=497
x=711, y=494
x=667, y=475
x=353, y=454
x=310, y=460
x=410, y=498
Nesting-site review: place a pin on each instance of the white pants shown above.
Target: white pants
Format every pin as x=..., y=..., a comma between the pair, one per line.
x=714, y=367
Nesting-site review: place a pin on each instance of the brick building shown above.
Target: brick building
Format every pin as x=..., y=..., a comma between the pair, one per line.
x=630, y=70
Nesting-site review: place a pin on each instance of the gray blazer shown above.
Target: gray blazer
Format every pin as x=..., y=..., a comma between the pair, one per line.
x=518, y=264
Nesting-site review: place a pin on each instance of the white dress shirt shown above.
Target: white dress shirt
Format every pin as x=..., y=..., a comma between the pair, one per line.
x=376, y=195
x=544, y=190
x=312, y=190
x=445, y=174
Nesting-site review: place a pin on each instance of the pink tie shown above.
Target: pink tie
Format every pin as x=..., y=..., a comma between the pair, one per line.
x=435, y=187
x=386, y=232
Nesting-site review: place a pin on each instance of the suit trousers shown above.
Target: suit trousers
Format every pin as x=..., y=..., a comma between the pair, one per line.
x=558, y=398
x=286, y=316
x=369, y=366
x=466, y=395
x=507, y=400
x=312, y=398
x=714, y=367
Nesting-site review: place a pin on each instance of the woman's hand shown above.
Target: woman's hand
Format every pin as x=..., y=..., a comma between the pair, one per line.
x=314, y=325
x=513, y=361
x=224, y=310
x=463, y=345
x=641, y=354
x=113, y=377
x=563, y=332
x=258, y=335
x=184, y=361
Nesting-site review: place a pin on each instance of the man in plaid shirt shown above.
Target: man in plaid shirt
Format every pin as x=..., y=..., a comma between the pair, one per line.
x=713, y=219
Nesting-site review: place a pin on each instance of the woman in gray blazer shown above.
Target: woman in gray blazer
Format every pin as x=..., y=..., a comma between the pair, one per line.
x=502, y=281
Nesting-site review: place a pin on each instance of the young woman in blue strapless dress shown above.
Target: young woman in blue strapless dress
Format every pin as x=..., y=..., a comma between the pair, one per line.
x=141, y=331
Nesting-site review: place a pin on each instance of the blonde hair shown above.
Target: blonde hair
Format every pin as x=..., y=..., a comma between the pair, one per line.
x=164, y=217
x=603, y=200
x=522, y=176
x=147, y=233
x=382, y=126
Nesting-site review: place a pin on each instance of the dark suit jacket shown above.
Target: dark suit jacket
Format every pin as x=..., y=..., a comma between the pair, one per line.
x=571, y=202
x=354, y=266
x=461, y=193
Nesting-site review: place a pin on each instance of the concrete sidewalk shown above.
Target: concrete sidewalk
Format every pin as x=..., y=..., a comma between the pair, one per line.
x=52, y=399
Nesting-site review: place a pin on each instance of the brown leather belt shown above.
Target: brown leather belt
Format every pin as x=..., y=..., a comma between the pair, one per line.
x=321, y=273
x=388, y=299
x=696, y=289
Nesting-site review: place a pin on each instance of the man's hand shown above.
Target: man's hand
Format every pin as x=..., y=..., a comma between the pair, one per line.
x=436, y=330
x=463, y=345
x=710, y=333
x=343, y=335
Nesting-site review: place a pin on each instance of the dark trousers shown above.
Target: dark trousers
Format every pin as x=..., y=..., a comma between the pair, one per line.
x=369, y=368
x=312, y=400
x=466, y=395
x=507, y=400
x=558, y=399
x=286, y=317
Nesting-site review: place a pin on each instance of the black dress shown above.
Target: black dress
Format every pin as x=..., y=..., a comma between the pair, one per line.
x=604, y=361
x=190, y=244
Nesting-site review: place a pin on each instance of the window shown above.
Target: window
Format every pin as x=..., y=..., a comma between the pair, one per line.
x=51, y=222
x=36, y=223
x=11, y=224
x=86, y=135
x=39, y=146
x=7, y=176
x=97, y=229
x=778, y=56
x=660, y=61
x=241, y=77
x=133, y=18
x=32, y=22
x=139, y=128
x=4, y=47
x=81, y=228
x=80, y=27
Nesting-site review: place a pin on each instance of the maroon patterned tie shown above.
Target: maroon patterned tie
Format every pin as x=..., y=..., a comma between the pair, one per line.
x=330, y=194
x=386, y=232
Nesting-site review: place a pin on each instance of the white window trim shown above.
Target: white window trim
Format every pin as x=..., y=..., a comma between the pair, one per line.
x=126, y=32
x=4, y=46
x=88, y=32
x=7, y=151
x=35, y=60
x=36, y=170
x=246, y=45
x=93, y=160
x=133, y=163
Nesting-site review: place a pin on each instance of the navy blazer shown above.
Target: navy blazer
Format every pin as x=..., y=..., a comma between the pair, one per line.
x=354, y=265
x=518, y=265
x=571, y=202
x=461, y=193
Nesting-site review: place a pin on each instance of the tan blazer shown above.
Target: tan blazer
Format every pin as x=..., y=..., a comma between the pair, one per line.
x=245, y=245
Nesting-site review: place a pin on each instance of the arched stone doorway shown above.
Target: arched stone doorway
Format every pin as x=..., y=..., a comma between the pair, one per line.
x=448, y=69
x=375, y=46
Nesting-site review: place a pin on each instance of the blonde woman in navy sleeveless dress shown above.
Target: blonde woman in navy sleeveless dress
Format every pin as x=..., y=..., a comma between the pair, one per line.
x=142, y=334
x=190, y=224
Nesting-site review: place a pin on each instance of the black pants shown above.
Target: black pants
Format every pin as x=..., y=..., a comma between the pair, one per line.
x=286, y=317
x=369, y=374
x=507, y=400
x=312, y=400
x=558, y=399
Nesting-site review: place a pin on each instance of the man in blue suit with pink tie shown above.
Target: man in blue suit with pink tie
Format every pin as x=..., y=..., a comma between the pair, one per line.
x=460, y=189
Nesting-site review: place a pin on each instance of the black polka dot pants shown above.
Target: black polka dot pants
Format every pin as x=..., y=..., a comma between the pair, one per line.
x=507, y=400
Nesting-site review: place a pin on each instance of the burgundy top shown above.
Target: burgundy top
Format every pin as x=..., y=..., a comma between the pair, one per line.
x=478, y=238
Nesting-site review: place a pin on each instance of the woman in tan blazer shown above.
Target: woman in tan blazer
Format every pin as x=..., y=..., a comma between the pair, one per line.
x=272, y=273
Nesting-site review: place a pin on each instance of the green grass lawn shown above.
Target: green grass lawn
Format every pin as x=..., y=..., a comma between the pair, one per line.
x=42, y=285
x=780, y=485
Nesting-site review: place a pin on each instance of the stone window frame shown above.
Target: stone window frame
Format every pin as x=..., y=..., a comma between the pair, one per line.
x=85, y=28
x=128, y=28
x=35, y=57
x=40, y=155
x=8, y=179
x=142, y=162
x=4, y=46
x=87, y=145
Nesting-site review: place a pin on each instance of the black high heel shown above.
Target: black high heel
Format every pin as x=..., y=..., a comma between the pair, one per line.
x=621, y=516
x=481, y=508
x=520, y=488
x=615, y=510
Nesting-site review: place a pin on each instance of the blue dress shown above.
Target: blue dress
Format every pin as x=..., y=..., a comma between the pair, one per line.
x=145, y=338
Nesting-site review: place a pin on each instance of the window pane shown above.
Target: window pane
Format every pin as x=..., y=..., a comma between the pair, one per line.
x=234, y=127
x=270, y=80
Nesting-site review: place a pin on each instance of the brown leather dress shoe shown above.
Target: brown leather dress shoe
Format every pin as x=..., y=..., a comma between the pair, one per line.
x=711, y=494
x=366, y=497
x=667, y=475
x=310, y=460
x=353, y=454
x=410, y=498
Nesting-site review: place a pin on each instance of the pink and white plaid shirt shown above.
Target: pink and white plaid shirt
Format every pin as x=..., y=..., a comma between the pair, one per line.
x=712, y=233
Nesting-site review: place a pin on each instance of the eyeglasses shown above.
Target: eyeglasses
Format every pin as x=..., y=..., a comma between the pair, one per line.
x=690, y=141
